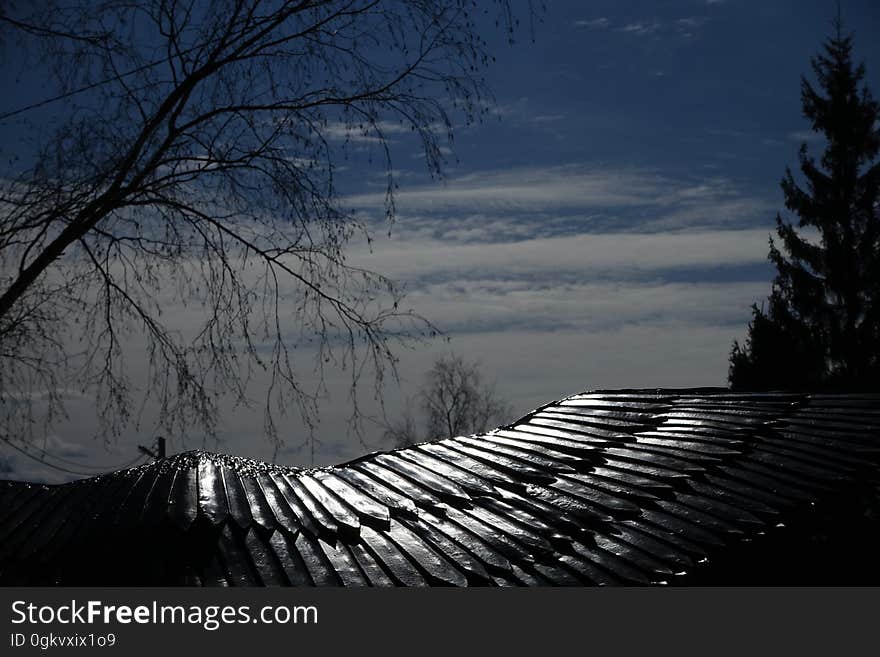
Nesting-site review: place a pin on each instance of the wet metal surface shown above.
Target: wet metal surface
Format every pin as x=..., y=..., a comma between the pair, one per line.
x=628, y=487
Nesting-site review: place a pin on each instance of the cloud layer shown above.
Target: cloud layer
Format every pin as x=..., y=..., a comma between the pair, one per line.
x=555, y=278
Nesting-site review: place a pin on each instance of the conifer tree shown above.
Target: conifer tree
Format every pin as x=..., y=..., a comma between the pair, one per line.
x=821, y=326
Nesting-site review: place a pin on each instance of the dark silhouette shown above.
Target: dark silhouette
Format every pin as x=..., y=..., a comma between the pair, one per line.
x=197, y=166
x=821, y=325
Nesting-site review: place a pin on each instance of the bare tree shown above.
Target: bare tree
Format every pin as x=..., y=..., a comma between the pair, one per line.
x=194, y=163
x=455, y=401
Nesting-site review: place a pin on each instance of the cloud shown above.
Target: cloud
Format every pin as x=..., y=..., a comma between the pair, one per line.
x=37, y=396
x=594, y=23
x=547, y=118
x=471, y=305
x=642, y=28
x=73, y=458
x=366, y=133
x=685, y=27
x=444, y=151
x=564, y=200
x=558, y=278
x=547, y=187
x=808, y=136
x=562, y=259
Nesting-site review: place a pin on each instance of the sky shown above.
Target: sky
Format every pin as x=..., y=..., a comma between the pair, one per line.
x=605, y=227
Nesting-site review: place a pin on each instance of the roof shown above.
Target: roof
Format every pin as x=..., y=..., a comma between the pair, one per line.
x=606, y=487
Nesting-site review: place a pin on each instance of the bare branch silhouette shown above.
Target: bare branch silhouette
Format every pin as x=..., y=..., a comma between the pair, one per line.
x=195, y=166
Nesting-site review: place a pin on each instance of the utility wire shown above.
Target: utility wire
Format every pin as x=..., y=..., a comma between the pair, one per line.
x=42, y=461
x=80, y=464
x=74, y=92
x=93, y=85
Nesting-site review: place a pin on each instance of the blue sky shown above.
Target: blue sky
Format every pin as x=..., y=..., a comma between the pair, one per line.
x=606, y=226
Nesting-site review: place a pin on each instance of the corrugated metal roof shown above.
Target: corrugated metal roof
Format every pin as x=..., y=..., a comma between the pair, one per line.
x=607, y=487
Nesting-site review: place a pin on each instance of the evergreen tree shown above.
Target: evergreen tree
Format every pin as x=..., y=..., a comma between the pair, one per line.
x=821, y=326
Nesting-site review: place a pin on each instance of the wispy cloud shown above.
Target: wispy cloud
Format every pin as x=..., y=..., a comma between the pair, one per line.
x=546, y=187
x=72, y=458
x=445, y=151
x=806, y=135
x=365, y=133
x=687, y=27
x=568, y=199
x=593, y=23
x=617, y=256
x=642, y=28
x=547, y=118
x=579, y=275
x=478, y=306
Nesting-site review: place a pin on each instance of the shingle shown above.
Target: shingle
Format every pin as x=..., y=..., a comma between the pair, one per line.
x=343, y=517
x=212, y=492
x=368, y=510
x=395, y=562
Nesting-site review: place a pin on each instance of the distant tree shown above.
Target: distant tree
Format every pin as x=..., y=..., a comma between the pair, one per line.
x=194, y=162
x=455, y=401
x=821, y=327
